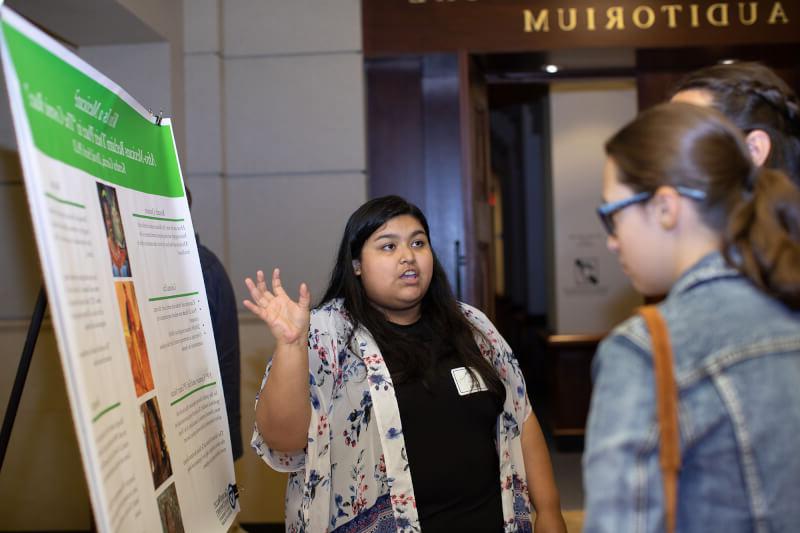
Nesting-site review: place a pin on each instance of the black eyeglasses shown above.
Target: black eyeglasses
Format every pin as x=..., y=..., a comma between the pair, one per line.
x=607, y=210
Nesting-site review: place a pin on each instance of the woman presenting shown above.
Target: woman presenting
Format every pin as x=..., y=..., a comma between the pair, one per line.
x=392, y=405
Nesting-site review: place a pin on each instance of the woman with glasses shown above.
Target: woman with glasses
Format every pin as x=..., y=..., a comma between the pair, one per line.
x=689, y=214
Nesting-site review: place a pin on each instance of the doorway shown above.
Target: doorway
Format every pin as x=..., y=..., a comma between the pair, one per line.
x=477, y=142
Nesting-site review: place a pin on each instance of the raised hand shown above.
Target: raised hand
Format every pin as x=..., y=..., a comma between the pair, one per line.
x=287, y=320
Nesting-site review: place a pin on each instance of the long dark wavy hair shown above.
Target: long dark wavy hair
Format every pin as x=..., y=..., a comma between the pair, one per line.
x=441, y=314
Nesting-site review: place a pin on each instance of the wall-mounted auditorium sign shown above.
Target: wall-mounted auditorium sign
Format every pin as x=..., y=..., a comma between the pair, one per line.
x=415, y=26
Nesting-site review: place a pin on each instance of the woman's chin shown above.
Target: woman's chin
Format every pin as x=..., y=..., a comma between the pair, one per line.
x=648, y=290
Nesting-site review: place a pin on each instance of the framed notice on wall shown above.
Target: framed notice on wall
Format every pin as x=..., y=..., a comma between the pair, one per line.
x=128, y=304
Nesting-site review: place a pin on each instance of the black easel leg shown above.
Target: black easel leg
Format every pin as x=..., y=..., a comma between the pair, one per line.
x=22, y=373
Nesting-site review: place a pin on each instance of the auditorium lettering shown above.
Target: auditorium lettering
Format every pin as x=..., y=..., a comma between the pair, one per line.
x=485, y=26
x=645, y=17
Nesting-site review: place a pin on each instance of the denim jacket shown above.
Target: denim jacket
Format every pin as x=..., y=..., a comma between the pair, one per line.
x=737, y=366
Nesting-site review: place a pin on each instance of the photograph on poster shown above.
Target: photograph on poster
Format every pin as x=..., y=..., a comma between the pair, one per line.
x=170, y=511
x=134, y=337
x=90, y=162
x=157, y=451
x=115, y=235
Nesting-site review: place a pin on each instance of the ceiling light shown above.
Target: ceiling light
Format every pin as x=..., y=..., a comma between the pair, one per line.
x=551, y=69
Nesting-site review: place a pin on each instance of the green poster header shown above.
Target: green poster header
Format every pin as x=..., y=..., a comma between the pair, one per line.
x=78, y=121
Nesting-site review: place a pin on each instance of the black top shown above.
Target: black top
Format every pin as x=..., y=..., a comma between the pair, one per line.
x=450, y=443
x=225, y=324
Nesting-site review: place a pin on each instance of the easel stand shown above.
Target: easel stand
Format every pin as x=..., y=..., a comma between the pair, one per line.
x=22, y=373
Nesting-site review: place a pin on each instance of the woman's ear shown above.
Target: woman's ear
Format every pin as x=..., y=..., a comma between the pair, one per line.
x=357, y=267
x=759, y=145
x=668, y=206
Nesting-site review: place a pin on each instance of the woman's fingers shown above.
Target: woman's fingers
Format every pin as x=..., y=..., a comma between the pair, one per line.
x=251, y=306
x=259, y=297
x=255, y=309
x=305, y=297
x=279, y=328
x=261, y=282
x=276, y=302
x=277, y=288
x=284, y=317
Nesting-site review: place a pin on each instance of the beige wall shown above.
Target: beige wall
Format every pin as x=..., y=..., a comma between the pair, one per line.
x=267, y=100
x=165, y=17
x=275, y=160
x=583, y=115
x=42, y=485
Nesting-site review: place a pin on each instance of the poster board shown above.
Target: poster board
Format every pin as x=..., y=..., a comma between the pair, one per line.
x=128, y=303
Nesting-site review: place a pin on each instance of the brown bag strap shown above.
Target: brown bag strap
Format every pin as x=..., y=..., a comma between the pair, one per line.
x=666, y=409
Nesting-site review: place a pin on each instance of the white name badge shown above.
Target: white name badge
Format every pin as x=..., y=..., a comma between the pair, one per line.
x=465, y=384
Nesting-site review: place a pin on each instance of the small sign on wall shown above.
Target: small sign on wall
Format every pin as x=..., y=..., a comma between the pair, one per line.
x=587, y=261
x=585, y=272
x=591, y=294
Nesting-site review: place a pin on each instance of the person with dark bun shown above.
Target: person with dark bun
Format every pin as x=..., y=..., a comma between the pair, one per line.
x=759, y=102
x=689, y=214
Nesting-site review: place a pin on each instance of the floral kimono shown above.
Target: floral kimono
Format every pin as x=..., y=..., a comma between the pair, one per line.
x=354, y=475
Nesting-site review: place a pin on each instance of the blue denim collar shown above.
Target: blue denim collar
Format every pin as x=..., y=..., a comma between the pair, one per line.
x=712, y=266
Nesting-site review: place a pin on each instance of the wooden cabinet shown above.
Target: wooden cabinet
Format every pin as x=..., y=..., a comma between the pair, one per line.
x=569, y=370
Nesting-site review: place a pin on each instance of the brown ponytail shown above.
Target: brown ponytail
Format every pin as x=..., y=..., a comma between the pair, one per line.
x=763, y=237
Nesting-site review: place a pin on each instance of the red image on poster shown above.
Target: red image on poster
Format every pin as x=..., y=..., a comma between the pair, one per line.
x=134, y=337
